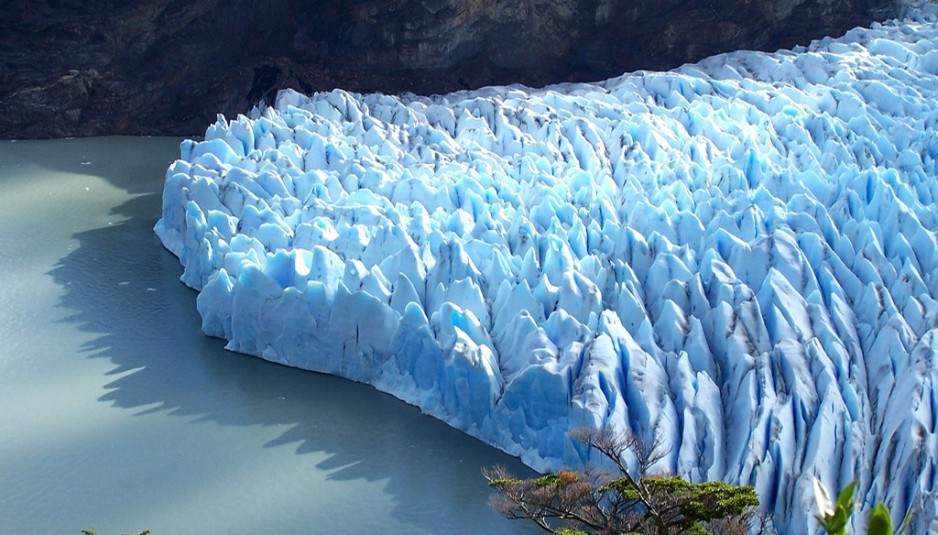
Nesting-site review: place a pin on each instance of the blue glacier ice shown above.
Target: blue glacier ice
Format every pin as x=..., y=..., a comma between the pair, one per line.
x=739, y=257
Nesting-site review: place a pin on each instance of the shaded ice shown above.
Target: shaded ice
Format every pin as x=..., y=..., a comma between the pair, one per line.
x=738, y=257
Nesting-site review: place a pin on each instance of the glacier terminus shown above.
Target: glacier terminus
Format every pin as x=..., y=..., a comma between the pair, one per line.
x=737, y=257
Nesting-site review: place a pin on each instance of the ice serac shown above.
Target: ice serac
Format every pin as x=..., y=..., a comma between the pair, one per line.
x=738, y=257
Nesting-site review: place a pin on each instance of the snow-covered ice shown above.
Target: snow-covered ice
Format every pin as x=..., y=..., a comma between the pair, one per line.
x=738, y=256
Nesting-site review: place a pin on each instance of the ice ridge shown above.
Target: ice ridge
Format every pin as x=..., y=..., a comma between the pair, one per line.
x=738, y=257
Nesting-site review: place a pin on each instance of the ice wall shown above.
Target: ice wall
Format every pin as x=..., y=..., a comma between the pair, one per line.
x=738, y=257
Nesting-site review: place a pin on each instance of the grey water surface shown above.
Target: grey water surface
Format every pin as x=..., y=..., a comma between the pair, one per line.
x=117, y=414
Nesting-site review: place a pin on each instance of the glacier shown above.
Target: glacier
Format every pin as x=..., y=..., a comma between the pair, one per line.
x=738, y=257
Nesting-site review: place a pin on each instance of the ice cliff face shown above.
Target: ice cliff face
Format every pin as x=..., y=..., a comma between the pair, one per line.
x=738, y=257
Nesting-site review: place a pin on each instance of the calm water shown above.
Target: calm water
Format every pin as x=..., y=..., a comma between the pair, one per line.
x=117, y=414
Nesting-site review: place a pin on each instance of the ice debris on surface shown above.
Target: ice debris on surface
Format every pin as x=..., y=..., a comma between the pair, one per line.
x=738, y=257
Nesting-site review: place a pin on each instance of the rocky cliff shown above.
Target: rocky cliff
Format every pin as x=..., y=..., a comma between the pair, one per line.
x=72, y=68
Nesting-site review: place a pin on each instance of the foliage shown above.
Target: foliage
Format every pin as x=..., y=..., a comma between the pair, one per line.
x=835, y=516
x=590, y=501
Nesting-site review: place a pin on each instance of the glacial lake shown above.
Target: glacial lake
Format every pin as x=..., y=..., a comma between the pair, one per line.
x=117, y=414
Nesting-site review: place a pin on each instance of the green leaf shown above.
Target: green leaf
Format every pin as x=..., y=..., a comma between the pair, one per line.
x=838, y=522
x=880, y=521
x=845, y=500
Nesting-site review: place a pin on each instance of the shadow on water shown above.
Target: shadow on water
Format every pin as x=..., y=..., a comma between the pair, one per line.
x=121, y=287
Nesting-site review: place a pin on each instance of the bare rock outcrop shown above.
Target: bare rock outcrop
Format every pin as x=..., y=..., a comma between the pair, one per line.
x=70, y=68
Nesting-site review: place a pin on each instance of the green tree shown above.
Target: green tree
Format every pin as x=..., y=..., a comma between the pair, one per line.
x=593, y=501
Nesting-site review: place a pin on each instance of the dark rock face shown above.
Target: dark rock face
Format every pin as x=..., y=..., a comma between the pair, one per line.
x=73, y=68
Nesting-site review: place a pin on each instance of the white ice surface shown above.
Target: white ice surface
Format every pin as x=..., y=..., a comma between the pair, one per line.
x=738, y=257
